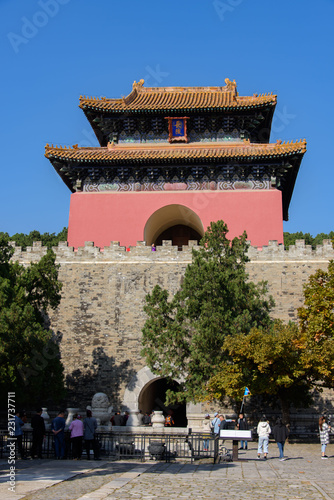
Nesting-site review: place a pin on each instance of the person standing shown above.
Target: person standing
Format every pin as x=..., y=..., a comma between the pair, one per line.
x=18, y=432
x=117, y=419
x=77, y=431
x=58, y=429
x=280, y=434
x=224, y=422
x=242, y=425
x=216, y=424
x=206, y=427
x=169, y=421
x=90, y=426
x=324, y=430
x=263, y=431
x=147, y=419
x=125, y=417
x=38, y=433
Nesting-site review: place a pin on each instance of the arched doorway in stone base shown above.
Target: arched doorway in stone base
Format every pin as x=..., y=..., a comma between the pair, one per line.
x=173, y=222
x=147, y=392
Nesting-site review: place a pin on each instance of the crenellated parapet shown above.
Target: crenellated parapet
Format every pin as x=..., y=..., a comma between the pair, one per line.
x=273, y=252
x=298, y=252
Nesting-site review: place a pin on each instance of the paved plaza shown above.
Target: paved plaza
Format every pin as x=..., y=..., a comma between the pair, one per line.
x=303, y=476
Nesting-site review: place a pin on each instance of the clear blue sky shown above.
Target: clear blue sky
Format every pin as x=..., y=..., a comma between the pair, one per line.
x=52, y=51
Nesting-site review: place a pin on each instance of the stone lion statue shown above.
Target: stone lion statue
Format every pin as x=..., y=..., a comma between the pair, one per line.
x=101, y=408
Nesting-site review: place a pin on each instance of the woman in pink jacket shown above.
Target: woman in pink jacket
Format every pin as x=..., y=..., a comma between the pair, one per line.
x=77, y=430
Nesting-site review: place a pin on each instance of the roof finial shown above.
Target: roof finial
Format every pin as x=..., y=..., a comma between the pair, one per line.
x=139, y=84
x=231, y=86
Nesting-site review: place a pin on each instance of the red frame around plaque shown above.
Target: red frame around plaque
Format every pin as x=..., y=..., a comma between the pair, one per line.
x=172, y=136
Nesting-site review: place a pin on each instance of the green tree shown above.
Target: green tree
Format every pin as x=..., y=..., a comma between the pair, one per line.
x=322, y=236
x=317, y=326
x=47, y=239
x=267, y=361
x=184, y=334
x=290, y=238
x=29, y=356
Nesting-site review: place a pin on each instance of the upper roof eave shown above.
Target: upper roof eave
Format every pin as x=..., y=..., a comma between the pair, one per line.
x=146, y=99
x=116, y=153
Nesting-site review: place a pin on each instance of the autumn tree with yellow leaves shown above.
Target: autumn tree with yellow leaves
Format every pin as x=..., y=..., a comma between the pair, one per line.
x=284, y=360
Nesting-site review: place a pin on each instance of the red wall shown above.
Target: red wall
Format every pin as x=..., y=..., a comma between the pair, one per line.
x=106, y=217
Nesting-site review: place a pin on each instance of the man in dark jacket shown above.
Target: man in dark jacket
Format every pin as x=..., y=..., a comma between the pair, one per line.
x=117, y=419
x=242, y=426
x=38, y=433
x=147, y=419
x=91, y=441
x=280, y=433
x=58, y=429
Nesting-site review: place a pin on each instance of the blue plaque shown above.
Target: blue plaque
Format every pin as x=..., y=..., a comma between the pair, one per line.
x=178, y=127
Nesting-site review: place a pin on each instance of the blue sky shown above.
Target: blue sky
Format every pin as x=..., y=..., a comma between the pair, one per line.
x=52, y=51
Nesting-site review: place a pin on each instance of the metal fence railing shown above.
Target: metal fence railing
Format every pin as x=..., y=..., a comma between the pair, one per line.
x=126, y=446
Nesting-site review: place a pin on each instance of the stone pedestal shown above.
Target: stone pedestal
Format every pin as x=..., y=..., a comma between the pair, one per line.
x=195, y=416
x=133, y=419
x=46, y=417
x=70, y=413
x=158, y=420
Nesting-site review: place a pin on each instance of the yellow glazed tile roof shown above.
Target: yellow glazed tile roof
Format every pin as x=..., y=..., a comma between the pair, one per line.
x=116, y=153
x=172, y=98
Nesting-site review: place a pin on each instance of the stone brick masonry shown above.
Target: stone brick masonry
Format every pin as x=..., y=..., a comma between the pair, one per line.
x=99, y=320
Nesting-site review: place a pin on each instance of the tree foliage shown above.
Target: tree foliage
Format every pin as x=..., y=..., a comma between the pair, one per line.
x=29, y=356
x=290, y=238
x=184, y=334
x=287, y=361
x=267, y=361
x=26, y=240
x=316, y=320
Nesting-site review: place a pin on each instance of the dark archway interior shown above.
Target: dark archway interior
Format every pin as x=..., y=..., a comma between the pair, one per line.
x=153, y=397
x=179, y=234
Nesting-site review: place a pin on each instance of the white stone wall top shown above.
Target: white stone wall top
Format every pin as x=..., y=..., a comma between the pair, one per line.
x=167, y=253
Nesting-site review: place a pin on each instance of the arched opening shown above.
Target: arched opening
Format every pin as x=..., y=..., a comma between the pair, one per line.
x=179, y=234
x=153, y=395
x=173, y=222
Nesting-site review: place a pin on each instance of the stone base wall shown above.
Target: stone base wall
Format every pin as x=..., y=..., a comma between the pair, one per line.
x=100, y=317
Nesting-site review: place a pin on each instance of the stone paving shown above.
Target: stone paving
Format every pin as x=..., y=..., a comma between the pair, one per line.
x=303, y=476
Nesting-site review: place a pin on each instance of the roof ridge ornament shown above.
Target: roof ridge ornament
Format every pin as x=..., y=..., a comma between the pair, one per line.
x=139, y=84
x=231, y=86
x=133, y=94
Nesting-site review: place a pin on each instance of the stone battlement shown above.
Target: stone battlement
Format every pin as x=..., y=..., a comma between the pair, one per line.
x=89, y=253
